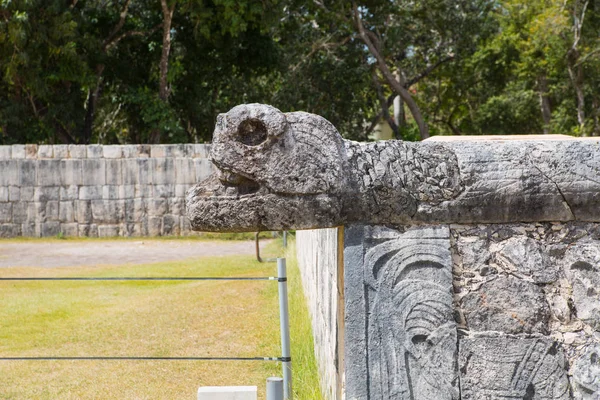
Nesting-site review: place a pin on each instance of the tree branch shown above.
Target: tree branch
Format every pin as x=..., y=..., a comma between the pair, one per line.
x=427, y=71
x=119, y=26
x=384, y=106
x=389, y=77
x=124, y=35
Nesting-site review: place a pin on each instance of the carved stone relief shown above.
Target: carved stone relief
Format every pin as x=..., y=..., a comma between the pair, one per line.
x=529, y=311
x=408, y=327
x=512, y=367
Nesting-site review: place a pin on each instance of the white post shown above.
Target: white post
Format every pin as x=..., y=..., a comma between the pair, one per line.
x=227, y=393
x=274, y=388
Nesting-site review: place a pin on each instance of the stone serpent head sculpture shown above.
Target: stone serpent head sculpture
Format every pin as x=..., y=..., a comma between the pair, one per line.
x=280, y=171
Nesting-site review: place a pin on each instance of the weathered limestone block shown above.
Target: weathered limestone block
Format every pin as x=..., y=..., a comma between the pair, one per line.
x=10, y=230
x=14, y=193
x=70, y=192
x=61, y=151
x=582, y=262
x=512, y=367
x=31, y=151
x=111, y=192
x=52, y=210
x=77, y=151
x=170, y=225
x=71, y=172
x=114, y=151
x=507, y=304
x=144, y=171
x=154, y=226
x=84, y=212
x=90, y=192
x=6, y=212
x=48, y=173
x=108, y=230
x=318, y=259
x=50, y=228
x=526, y=257
x=43, y=193
x=163, y=171
x=18, y=151
x=113, y=172
x=66, y=212
x=164, y=191
x=184, y=171
x=281, y=171
x=5, y=153
x=19, y=212
x=10, y=172
x=45, y=151
x=69, y=229
x=94, y=171
x=586, y=374
x=156, y=206
x=401, y=339
x=26, y=173
x=94, y=151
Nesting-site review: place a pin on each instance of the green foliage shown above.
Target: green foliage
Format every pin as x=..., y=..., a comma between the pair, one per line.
x=77, y=72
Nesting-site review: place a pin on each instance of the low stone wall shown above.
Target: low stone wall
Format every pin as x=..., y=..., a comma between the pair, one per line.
x=95, y=190
x=317, y=252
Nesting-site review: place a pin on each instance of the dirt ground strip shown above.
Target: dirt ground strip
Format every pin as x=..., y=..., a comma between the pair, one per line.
x=117, y=252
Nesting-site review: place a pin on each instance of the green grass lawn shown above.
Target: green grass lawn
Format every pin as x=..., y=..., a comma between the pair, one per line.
x=187, y=318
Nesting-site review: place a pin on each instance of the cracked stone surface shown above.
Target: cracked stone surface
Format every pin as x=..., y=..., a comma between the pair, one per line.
x=507, y=304
x=294, y=171
x=520, y=289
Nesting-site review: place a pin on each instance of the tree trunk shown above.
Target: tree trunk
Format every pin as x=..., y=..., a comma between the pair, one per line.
x=92, y=102
x=385, y=106
x=596, y=107
x=544, y=102
x=163, y=88
x=399, y=117
x=163, y=83
x=576, y=75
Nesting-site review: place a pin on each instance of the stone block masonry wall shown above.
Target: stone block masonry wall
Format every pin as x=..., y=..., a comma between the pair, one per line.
x=95, y=190
x=317, y=252
x=460, y=311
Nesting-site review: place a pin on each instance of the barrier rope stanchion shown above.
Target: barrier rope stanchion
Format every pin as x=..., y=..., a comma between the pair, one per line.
x=284, y=323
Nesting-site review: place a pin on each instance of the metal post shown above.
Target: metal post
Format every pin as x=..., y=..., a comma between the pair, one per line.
x=284, y=239
x=274, y=388
x=284, y=326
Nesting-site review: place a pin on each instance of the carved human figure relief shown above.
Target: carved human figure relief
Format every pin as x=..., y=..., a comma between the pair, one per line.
x=512, y=367
x=411, y=331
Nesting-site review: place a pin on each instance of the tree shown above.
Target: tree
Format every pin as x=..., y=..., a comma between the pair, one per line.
x=43, y=72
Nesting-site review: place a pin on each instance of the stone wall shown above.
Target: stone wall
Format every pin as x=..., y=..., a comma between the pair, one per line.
x=318, y=260
x=473, y=311
x=94, y=190
x=461, y=311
